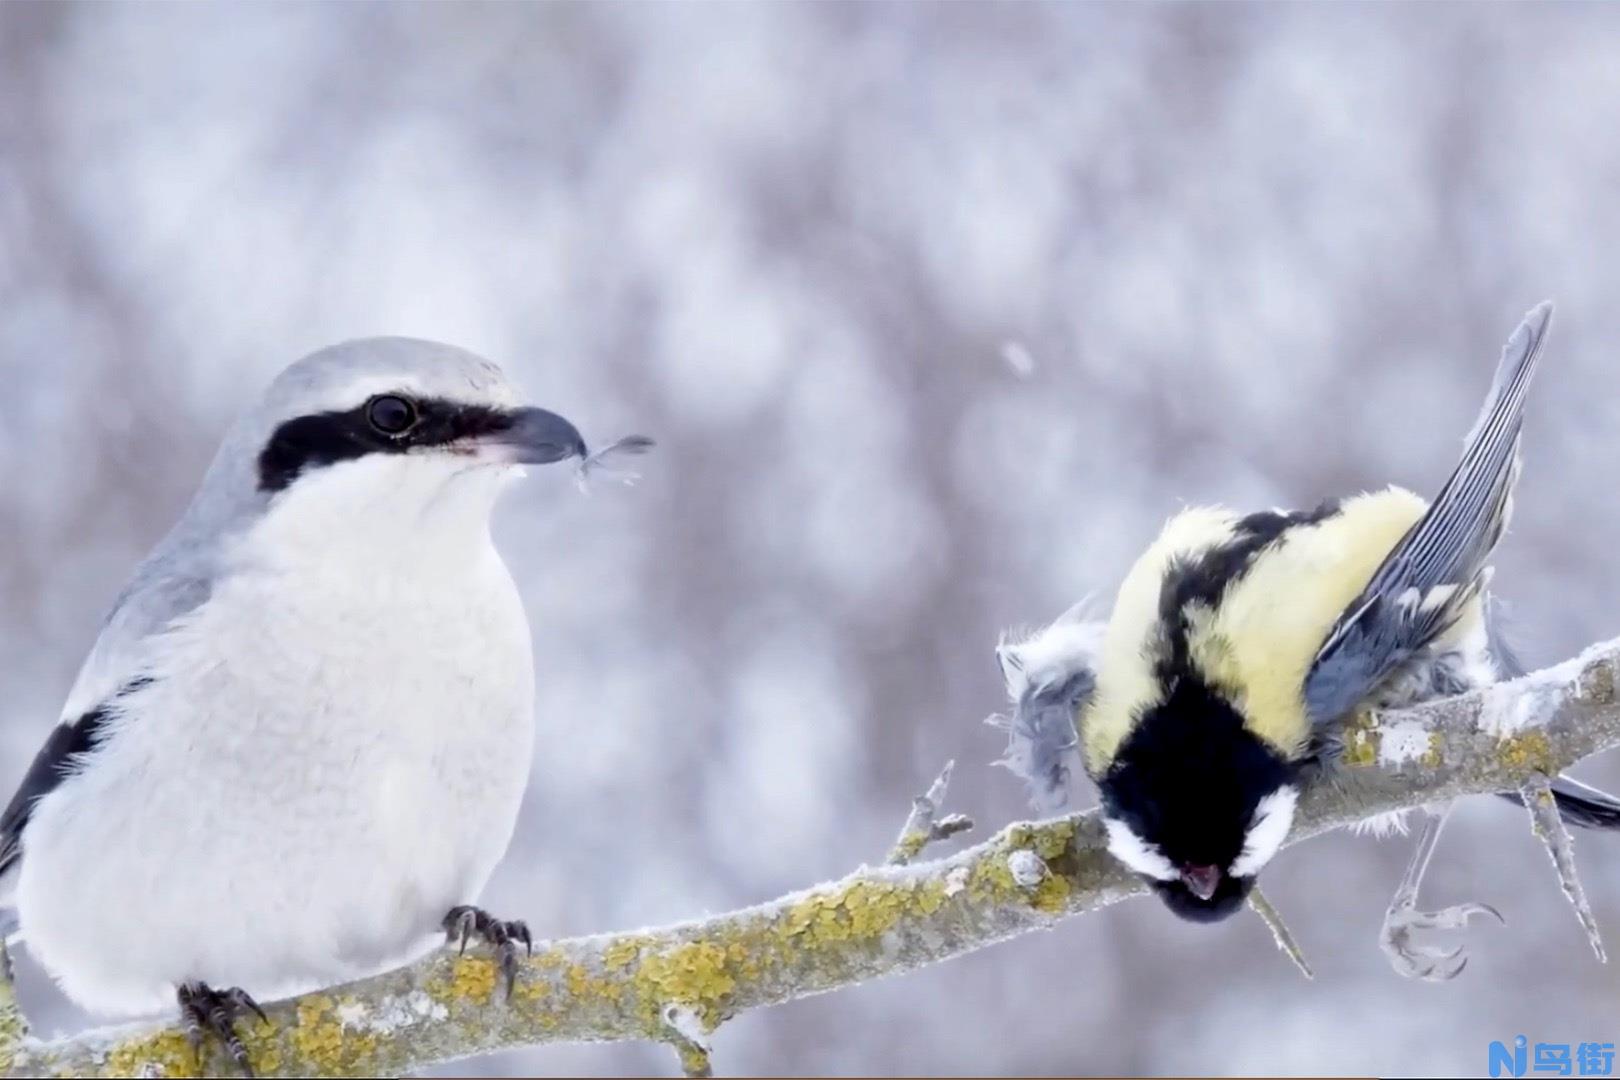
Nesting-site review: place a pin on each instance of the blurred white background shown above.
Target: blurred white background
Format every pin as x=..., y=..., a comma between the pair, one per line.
x=937, y=312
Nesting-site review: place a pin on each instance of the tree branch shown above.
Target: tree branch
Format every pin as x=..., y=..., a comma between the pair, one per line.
x=13, y=1028
x=877, y=921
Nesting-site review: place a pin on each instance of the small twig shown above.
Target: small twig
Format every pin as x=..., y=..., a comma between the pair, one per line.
x=1279, y=931
x=1549, y=829
x=924, y=826
x=686, y=1034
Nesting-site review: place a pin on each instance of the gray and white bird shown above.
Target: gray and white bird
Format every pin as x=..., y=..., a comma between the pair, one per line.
x=296, y=752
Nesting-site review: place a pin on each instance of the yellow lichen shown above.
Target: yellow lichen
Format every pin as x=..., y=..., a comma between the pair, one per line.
x=799, y=917
x=1021, y=835
x=992, y=882
x=531, y=991
x=1432, y=757
x=1529, y=751
x=263, y=1046
x=623, y=953
x=1053, y=840
x=166, y=1053
x=318, y=1037
x=909, y=846
x=1051, y=895
x=12, y=1029
x=1597, y=683
x=549, y=958
x=324, y=1048
x=861, y=911
x=747, y=961
x=1361, y=740
x=473, y=978
x=873, y=908
x=695, y=974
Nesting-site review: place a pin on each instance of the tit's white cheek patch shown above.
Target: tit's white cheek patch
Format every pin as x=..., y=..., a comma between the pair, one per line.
x=1267, y=831
x=1137, y=853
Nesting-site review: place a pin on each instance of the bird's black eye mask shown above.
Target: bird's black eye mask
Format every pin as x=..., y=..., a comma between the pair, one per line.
x=384, y=424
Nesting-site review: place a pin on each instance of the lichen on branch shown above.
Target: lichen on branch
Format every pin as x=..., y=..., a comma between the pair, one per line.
x=876, y=921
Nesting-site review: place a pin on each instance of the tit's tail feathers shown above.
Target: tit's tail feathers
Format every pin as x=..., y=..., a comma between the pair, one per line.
x=1580, y=804
x=1586, y=806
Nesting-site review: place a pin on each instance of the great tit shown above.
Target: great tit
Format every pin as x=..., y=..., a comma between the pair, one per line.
x=1239, y=644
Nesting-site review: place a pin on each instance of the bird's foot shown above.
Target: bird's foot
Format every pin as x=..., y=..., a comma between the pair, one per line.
x=1425, y=961
x=465, y=921
x=215, y=1012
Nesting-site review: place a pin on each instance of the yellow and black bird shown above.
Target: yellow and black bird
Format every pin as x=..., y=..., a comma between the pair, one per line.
x=1239, y=644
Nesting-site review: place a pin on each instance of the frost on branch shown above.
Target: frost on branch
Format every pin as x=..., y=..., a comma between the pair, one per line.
x=685, y=979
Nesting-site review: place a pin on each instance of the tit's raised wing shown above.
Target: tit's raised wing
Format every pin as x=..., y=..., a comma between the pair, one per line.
x=1426, y=581
x=1050, y=675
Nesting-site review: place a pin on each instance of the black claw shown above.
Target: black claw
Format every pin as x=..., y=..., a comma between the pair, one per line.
x=241, y=999
x=508, y=957
x=502, y=936
x=193, y=1028
x=204, y=1009
x=462, y=922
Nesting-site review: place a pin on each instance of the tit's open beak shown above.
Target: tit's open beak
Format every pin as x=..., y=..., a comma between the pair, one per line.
x=1201, y=881
x=537, y=437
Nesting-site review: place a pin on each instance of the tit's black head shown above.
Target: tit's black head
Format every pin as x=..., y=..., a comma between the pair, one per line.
x=1195, y=803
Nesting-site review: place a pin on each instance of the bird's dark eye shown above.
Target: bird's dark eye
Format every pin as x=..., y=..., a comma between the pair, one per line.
x=391, y=415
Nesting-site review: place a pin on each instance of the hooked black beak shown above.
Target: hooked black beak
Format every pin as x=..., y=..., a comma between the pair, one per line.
x=538, y=437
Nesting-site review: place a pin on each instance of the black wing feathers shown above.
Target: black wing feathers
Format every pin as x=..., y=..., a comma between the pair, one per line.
x=53, y=764
x=1425, y=582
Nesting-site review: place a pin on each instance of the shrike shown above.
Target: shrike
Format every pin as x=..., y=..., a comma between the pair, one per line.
x=297, y=749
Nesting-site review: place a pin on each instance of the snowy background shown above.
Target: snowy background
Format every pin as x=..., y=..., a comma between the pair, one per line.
x=937, y=313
